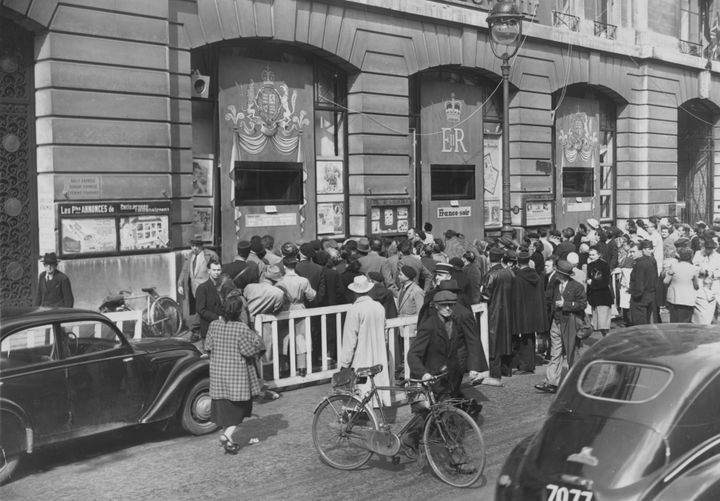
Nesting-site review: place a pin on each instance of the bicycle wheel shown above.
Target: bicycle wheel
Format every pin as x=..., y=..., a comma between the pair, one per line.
x=165, y=317
x=454, y=447
x=337, y=445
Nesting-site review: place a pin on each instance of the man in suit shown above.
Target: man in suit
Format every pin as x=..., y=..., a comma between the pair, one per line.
x=569, y=302
x=643, y=280
x=208, y=302
x=194, y=271
x=54, y=288
x=408, y=258
x=240, y=270
x=370, y=258
x=448, y=340
x=314, y=274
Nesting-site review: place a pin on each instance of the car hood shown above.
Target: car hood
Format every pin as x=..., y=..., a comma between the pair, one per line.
x=154, y=345
x=599, y=451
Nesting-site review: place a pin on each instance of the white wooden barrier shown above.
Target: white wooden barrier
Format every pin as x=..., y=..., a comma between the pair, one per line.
x=120, y=317
x=268, y=327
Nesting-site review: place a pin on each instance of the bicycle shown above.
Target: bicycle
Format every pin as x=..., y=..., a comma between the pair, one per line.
x=162, y=315
x=346, y=431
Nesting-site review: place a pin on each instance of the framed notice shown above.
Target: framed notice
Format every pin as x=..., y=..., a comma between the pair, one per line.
x=107, y=228
x=329, y=177
x=538, y=211
x=144, y=232
x=203, y=177
x=330, y=218
x=203, y=222
x=388, y=216
x=88, y=236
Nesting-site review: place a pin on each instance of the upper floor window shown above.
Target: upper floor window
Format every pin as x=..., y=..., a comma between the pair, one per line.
x=690, y=26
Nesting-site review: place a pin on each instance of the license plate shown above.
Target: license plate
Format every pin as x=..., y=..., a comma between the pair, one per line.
x=564, y=493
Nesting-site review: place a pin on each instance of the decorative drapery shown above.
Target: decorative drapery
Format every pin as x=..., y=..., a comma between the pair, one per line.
x=264, y=121
x=577, y=133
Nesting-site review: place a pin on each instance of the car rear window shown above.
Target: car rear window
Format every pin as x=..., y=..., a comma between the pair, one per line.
x=623, y=382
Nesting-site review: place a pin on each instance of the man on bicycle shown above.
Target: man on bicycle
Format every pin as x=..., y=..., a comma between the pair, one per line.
x=444, y=341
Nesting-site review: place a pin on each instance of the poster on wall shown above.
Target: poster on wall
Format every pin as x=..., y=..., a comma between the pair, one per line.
x=389, y=216
x=112, y=227
x=144, y=232
x=203, y=222
x=329, y=177
x=203, y=177
x=492, y=164
x=88, y=236
x=330, y=217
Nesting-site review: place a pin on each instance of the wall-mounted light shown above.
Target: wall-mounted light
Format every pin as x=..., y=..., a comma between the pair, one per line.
x=200, y=85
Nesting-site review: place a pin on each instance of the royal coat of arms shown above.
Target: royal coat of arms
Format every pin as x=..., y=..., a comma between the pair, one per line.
x=579, y=143
x=269, y=115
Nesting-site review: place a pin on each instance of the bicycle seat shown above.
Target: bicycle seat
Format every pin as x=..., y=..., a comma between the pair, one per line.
x=149, y=290
x=369, y=371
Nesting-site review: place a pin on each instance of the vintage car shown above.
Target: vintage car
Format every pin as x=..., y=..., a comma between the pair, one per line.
x=637, y=418
x=67, y=373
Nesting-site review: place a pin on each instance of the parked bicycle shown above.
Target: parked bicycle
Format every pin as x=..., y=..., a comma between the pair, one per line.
x=162, y=315
x=346, y=430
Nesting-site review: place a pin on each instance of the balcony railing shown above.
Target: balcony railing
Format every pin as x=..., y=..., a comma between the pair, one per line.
x=566, y=21
x=604, y=30
x=692, y=48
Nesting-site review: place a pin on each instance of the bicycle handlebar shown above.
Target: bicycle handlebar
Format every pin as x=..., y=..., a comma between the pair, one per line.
x=432, y=380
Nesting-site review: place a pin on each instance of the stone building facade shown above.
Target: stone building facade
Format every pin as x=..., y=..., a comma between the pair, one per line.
x=130, y=126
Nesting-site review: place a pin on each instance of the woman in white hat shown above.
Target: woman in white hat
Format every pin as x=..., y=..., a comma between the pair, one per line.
x=364, y=341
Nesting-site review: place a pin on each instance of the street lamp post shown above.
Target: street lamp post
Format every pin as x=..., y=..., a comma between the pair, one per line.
x=505, y=22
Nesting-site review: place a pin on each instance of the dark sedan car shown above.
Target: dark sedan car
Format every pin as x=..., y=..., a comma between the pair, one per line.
x=637, y=418
x=67, y=373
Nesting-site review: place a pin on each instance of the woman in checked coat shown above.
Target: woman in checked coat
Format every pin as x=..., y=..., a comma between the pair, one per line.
x=233, y=378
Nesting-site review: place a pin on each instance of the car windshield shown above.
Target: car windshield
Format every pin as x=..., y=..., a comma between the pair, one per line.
x=623, y=382
x=611, y=452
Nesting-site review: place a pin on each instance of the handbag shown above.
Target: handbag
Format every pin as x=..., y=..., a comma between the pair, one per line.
x=343, y=377
x=584, y=328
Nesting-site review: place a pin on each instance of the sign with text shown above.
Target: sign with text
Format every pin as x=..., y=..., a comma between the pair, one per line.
x=113, y=227
x=388, y=216
x=446, y=212
x=538, y=211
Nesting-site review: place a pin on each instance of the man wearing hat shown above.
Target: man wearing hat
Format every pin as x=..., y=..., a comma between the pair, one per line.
x=643, y=280
x=528, y=308
x=444, y=341
x=569, y=303
x=370, y=258
x=497, y=289
x=363, y=340
x=257, y=253
x=54, y=288
x=382, y=294
x=194, y=272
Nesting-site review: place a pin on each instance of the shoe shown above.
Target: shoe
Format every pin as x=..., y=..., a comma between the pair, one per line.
x=546, y=388
x=520, y=372
x=492, y=381
x=230, y=446
x=194, y=337
x=302, y=372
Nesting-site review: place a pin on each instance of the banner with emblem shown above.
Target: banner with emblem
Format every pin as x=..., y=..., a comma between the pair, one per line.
x=265, y=115
x=577, y=132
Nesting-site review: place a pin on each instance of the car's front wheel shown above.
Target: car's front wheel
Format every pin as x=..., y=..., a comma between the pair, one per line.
x=11, y=445
x=195, y=412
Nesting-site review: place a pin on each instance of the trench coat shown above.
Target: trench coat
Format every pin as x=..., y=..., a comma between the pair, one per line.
x=364, y=343
x=528, y=302
x=497, y=293
x=570, y=316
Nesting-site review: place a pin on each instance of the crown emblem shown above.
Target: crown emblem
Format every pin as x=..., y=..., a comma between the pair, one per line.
x=267, y=75
x=453, y=109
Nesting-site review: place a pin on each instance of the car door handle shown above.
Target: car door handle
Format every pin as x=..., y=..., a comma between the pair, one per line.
x=128, y=359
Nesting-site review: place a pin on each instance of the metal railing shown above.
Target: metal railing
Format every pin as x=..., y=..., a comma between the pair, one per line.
x=692, y=48
x=567, y=21
x=121, y=317
x=329, y=321
x=605, y=30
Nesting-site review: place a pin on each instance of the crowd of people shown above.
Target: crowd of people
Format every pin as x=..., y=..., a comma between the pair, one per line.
x=541, y=293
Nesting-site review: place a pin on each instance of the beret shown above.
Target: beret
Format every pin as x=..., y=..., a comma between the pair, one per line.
x=409, y=272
